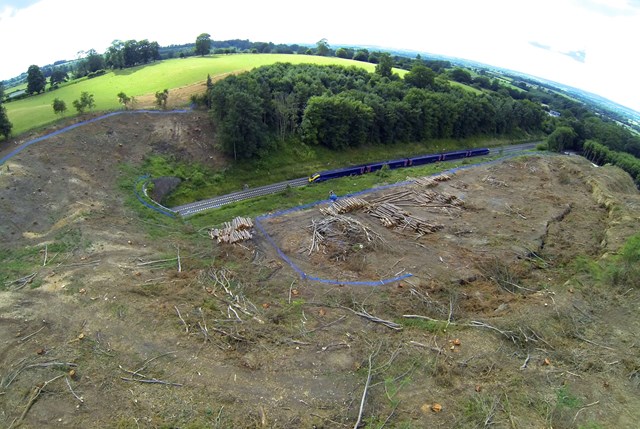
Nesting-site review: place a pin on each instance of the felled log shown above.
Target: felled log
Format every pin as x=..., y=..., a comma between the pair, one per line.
x=239, y=229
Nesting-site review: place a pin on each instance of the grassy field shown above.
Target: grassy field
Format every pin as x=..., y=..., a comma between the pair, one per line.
x=34, y=112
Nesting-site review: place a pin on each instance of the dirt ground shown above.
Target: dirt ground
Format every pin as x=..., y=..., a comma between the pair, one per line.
x=512, y=331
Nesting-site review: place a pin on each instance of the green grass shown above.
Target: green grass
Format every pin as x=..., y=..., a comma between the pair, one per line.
x=21, y=262
x=308, y=194
x=285, y=164
x=35, y=112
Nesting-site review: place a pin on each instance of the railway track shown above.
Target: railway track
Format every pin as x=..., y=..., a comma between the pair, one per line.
x=212, y=203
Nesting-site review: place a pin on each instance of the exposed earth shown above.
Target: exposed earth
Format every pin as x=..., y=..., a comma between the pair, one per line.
x=114, y=330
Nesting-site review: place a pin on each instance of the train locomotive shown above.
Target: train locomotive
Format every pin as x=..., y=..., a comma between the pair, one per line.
x=396, y=163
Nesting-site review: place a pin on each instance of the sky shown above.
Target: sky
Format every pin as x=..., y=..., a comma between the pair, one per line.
x=587, y=44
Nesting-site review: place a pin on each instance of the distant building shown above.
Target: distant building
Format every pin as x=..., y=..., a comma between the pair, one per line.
x=554, y=113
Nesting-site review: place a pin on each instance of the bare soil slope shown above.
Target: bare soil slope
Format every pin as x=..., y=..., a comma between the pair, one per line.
x=512, y=331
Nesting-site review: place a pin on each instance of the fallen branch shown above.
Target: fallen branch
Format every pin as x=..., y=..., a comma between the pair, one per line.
x=417, y=316
x=435, y=349
x=32, y=399
x=592, y=342
x=290, y=289
x=79, y=398
x=30, y=335
x=22, y=281
x=151, y=381
x=326, y=325
x=159, y=261
x=526, y=362
x=147, y=362
x=364, y=394
x=586, y=406
x=186, y=327
x=508, y=334
x=387, y=323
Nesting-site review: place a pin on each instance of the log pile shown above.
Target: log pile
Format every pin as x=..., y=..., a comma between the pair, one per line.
x=344, y=205
x=392, y=216
x=430, y=181
x=416, y=198
x=342, y=231
x=239, y=229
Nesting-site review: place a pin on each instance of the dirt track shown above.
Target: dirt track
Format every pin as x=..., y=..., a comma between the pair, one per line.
x=252, y=345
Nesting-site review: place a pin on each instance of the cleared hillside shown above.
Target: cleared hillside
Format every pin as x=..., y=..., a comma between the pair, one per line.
x=136, y=320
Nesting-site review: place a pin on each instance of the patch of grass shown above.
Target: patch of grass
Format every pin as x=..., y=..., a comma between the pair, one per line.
x=17, y=263
x=567, y=399
x=626, y=269
x=434, y=326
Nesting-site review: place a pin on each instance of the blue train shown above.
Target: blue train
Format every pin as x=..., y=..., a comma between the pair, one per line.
x=396, y=163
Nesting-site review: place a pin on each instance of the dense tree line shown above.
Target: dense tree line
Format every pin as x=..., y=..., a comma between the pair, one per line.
x=601, y=154
x=131, y=53
x=342, y=107
x=5, y=125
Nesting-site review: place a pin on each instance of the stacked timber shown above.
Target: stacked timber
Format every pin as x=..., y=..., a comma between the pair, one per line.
x=430, y=181
x=416, y=198
x=344, y=205
x=239, y=229
x=392, y=216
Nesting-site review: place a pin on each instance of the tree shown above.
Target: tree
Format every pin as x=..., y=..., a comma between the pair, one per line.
x=114, y=56
x=93, y=61
x=203, y=44
x=361, y=55
x=342, y=53
x=59, y=106
x=385, y=65
x=561, y=138
x=5, y=125
x=461, y=75
x=57, y=76
x=125, y=100
x=420, y=76
x=84, y=102
x=322, y=48
x=36, y=81
x=161, y=98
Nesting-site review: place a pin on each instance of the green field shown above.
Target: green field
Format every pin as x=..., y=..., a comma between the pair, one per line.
x=35, y=112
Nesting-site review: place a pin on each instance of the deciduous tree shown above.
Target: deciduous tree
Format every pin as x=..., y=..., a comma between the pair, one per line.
x=5, y=124
x=385, y=65
x=125, y=100
x=84, y=102
x=322, y=48
x=57, y=76
x=36, y=81
x=203, y=44
x=59, y=106
x=161, y=98
x=561, y=138
x=420, y=76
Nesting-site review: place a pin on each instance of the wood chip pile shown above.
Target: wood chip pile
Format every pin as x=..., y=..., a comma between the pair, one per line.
x=239, y=229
